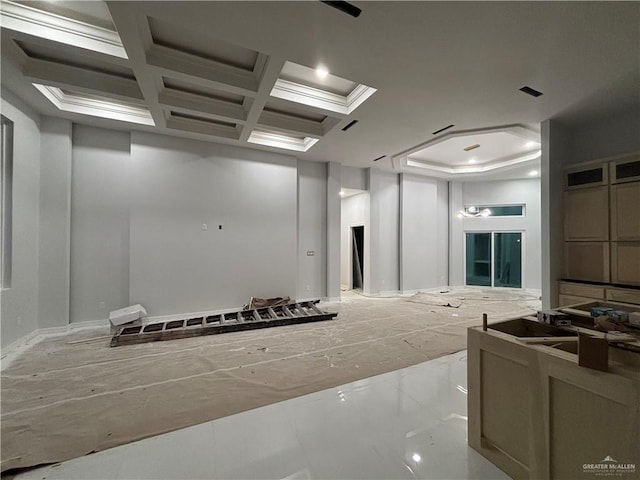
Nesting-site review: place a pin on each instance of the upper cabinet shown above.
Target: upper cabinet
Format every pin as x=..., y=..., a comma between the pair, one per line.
x=591, y=175
x=586, y=214
x=626, y=169
x=602, y=222
x=625, y=212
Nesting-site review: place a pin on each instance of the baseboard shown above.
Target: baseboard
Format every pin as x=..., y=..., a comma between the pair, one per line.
x=18, y=347
x=331, y=299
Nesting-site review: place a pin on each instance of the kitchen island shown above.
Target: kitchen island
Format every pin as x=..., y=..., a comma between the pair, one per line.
x=537, y=414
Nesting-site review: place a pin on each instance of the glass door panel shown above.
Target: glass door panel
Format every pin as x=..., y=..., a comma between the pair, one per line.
x=507, y=260
x=478, y=259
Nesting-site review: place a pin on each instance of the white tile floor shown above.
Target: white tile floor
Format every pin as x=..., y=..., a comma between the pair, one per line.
x=410, y=423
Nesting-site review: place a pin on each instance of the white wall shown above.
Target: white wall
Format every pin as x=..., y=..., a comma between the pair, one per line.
x=19, y=304
x=613, y=134
x=179, y=185
x=384, y=192
x=555, y=150
x=355, y=212
x=334, y=218
x=312, y=230
x=423, y=232
x=55, y=222
x=100, y=190
x=510, y=192
x=355, y=178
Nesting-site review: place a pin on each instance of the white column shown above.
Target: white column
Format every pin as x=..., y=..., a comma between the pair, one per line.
x=333, y=230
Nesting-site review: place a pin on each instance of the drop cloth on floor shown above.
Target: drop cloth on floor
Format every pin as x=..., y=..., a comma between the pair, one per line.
x=70, y=395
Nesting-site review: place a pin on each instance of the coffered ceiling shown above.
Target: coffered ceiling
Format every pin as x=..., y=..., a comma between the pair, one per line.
x=294, y=76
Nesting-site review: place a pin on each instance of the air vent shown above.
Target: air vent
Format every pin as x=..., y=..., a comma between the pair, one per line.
x=379, y=158
x=443, y=129
x=345, y=7
x=530, y=91
x=472, y=147
x=349, y=125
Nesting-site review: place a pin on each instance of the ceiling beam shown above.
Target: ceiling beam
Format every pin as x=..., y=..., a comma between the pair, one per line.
x=135, y=34
x=271, y=68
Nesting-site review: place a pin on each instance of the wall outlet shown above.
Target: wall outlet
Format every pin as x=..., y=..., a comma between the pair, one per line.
x=101, y=305
x=310, y=253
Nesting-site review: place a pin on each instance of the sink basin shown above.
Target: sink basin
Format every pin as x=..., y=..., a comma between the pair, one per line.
x=521, y=327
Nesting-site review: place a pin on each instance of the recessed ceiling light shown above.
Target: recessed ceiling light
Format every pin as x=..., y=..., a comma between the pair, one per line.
x=530, y=144
x=322, y=72
x=416, y=458
x=472, y=160
x=533, y=173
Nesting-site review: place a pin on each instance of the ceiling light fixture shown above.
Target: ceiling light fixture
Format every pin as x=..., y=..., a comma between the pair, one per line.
x=473, y=212
x=416, y=458
x=341, y=193
x=533, y=173
x=322, y=72
x=472, y=160
x=530, y=144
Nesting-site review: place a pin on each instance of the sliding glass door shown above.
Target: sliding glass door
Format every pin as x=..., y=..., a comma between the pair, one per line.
x=493, y=259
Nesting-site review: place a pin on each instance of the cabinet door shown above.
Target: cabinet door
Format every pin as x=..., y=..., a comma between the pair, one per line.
x=625, y=295
x=625, y=263
x=586, y=214
x=587, y=413
x=582, y=290
x=625, y=212
x=587, y=261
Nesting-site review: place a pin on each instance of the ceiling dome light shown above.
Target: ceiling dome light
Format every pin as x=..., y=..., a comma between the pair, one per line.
x=530, y=144
x=472, y=160
x=322, y=72
x=533, y=173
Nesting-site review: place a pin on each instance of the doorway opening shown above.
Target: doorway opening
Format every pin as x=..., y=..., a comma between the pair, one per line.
x=493, y=259
x=357, y=257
